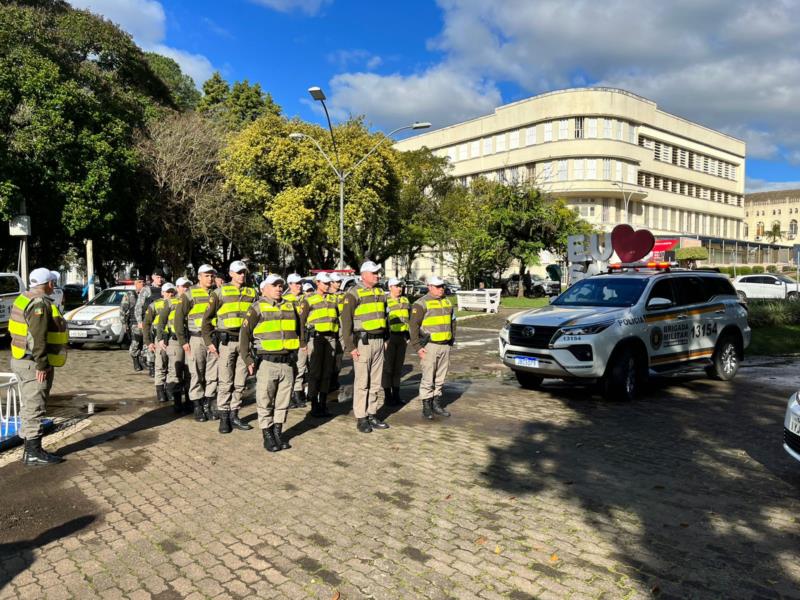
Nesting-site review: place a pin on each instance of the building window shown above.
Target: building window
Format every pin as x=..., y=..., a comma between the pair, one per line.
x=760, y=229
x=631, y=174
x=578, y=168
x=500, y=143
x=607, y=169
x=563, y=127
x=548, y=131
x=530, y=136
x=513, y=140
x=591, y=128
x=578, y=128
x=547, y=172
x=451, y=154
x=620, y=130
x=475, y=149
x=607, y=128
x=462, y=152
x=591, y=169
x=562, y=170
x=618, y=170
x=746, y=230
x=487, y=146
x=632, y=133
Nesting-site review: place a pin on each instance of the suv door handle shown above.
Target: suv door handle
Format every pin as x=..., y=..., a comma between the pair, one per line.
x=682, y=316
x=721, y=311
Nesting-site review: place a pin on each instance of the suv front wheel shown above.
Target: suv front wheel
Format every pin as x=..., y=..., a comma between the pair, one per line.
x=725, y=360
x=529, y=381
x=624, y=377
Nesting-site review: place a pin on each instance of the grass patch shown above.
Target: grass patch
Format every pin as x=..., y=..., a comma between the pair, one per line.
x=509, y=302
x=772, y=340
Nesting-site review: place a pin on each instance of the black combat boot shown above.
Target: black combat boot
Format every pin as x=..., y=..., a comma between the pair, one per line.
x=199, y=413
x=224, y=421
x=376, y=423
x=334, y=386
x=277, y=429
x=438, y=408
x=208, y=408
x=363, y=426
x=238, y=423
x=187, y=402
x=396, y=394
x=270, y=444
x=137, y=366
x=322, y=406
x=35, y=455
x=299, y=399
x=427, y=410
x=151, y=369
x=387, y=394
x=175, y=393
x=161, y=393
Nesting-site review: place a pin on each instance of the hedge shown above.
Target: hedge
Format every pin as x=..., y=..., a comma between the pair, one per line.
x=766, y=313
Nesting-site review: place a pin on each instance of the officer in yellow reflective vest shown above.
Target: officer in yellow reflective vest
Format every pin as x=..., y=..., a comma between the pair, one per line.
x=397, y=312
x=319, y=325
x=365, y=331
x=176, y=358
x=272, y=326
x=38, y=344
x=432, y=329
x=220, y=328
x=295, y=294
x=335, y=289
x=202, y=363
x=152, y=329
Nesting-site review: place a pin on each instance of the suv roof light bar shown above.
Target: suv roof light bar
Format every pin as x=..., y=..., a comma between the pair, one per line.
x=657, y=265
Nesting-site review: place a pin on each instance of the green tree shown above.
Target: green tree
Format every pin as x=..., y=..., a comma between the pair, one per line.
x=774, y=234
x=184, y=93
x=73, y=90
x=236, y=106
x=215, y=93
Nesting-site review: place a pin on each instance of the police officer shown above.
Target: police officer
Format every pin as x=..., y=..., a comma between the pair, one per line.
x=202, y=363
x=336, y=291
x=128, y=313
x=146, y=297
x=295, y=294
x=397, y=309
x=432, y=328
x=152, y=330
x=38, y=344
x=364, y=325
x=176, y=358
x=220, y=328
x=273, y=327
x=319, y=324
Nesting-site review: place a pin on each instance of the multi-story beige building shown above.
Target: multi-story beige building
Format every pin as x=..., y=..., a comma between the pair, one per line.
x=613, y=156
x=764, y=210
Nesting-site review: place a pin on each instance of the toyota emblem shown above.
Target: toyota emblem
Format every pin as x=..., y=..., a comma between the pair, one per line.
x=528, y=331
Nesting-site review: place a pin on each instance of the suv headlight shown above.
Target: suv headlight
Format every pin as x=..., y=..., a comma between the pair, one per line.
x=108, y=322
x=589, y=329
x=504, y=331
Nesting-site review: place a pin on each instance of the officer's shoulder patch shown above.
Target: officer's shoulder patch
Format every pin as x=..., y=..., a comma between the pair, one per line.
x=38, y=311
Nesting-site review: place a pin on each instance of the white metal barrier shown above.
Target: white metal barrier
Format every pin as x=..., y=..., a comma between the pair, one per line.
x=487, y=300
x=9, y=403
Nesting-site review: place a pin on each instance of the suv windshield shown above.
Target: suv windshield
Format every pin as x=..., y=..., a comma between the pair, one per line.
x=608, y=291
x=109, y=298
x=785, y=279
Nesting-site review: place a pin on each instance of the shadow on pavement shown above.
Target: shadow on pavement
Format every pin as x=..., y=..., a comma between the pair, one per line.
x=668, y=481
x=23, y=551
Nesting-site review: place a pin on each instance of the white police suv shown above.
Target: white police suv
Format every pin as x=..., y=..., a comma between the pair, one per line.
x=616, y=328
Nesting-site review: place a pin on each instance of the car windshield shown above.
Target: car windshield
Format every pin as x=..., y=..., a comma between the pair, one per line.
x=785, y=279
x=608, y=291
x=109, y=298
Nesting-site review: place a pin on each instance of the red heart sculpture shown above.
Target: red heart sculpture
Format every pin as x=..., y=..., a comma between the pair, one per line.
x=631, y=245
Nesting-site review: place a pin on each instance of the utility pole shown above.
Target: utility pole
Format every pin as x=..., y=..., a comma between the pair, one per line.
x=90, y=269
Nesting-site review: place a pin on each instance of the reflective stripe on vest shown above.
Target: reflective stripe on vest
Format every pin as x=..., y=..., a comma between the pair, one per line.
x=235, y=302
x=290, y=297
x=339, y=301
x=173, y=304
x=22, y=342
x=323, y=314
x=438, y=318
x=200, y=298
x=156, y=307
x=276, y=329
x=370, y=313
x=398, y=314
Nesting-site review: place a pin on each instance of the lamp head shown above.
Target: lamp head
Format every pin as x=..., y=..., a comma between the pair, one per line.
x=296, y=136
x=317, y=93
x=422, y=125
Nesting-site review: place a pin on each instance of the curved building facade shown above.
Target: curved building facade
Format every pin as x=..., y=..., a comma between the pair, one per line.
x=614, y=156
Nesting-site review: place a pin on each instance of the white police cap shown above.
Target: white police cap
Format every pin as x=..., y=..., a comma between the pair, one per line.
x=323, y=278
x=168, y=287
x=206, y=269
x=271, y=279
x=237, y=266
x=369, y=267
x=183, y=281
x=393, y=281
x=294, y=278
x=335, y=277
x=40, y=276
x=435, y=280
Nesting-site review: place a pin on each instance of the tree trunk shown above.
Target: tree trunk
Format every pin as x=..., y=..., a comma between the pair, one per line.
x=521, y=290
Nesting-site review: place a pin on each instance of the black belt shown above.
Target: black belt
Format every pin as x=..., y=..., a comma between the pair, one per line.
x=447, y=343
x=374, y=336
x=276, y=358
x=327, y=333
x=226, y=337
x=196, y=334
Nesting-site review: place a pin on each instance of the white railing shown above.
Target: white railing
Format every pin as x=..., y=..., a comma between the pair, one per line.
x=487, y=300
x=9, y=403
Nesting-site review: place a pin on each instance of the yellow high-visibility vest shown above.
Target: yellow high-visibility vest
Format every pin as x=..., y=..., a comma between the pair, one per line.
x=370, y=312
x=323, y=315
x=398, y=314
x=235, y=302
x=21, y=342
x=276, y=329
x=438, y=320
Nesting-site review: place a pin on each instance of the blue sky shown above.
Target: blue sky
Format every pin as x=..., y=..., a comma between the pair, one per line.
x=733, y=65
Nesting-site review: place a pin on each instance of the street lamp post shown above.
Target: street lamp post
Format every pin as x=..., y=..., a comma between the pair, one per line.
x=625, y=199
x=319, y=95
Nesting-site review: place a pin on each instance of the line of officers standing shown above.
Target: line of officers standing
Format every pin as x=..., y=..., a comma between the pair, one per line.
x=201, y=341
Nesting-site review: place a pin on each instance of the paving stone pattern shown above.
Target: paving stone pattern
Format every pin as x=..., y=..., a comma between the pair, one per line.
x=552, y=494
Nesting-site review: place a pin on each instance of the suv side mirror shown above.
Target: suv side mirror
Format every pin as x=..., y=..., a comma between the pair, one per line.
x=658, y=303
x=778, y=282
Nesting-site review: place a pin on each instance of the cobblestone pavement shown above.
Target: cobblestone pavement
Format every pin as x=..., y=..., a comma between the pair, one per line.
x=686, y=493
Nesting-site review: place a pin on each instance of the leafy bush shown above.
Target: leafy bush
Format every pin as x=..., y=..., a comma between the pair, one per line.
x=744, y=270
x=757, y=269
x=766, y=313
x=788, y=269
x=772, y=268
x=693, y=253
x=726, y=270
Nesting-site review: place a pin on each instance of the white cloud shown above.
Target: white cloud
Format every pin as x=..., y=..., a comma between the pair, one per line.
x=733, y=65
x=146, y=21
x=345, y=59
x=309, y=7
x=762, y=185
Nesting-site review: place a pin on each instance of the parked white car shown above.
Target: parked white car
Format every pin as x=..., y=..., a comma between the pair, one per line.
x=99, y=321
x=766, y=285
x=11, y=286
x=791, y=427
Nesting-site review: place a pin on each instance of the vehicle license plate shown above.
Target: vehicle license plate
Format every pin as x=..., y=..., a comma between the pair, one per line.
x=526, y=361
x=794, y=424
x=78, y=333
